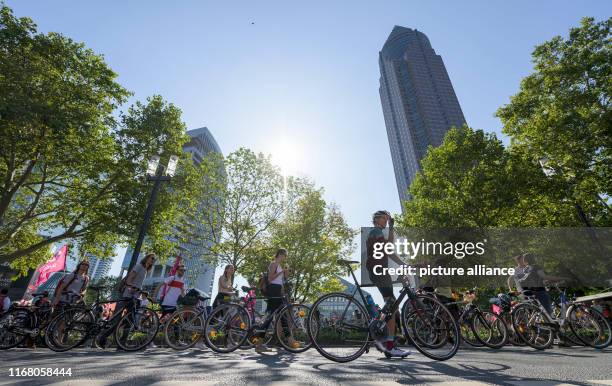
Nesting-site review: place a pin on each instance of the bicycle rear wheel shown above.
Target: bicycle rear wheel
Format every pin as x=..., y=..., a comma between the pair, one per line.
x=137, y=329
x=69, y=329
x=431, y=327
x=13, y=327
x=532, y=327
x=183, y=329
x=490, y=329
x=590, y=326
x=227, y=328
x=338, y=327
x=291, y=328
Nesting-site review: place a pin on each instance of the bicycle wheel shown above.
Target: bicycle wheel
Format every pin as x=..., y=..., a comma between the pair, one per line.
x=532, y=326
x=227, y=327
x=136, y=329
x=291, y=328
x=565, y=332
x=68, y=329
x=590, y=326
x=467, y=333
x=183, y=329
x=489, y=329
x=14, y=327
x=338, y=327
x=431, y=327
x=254, y=338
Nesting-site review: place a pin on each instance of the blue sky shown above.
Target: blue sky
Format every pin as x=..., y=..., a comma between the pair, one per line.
x=303, y=76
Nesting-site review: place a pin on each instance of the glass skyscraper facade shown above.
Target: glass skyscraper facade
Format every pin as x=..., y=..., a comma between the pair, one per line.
x=418, y=100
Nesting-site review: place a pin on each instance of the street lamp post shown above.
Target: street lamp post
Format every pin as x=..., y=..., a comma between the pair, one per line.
x=155, y=173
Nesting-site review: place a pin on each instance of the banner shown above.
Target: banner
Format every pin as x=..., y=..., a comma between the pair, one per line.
x=57, y=263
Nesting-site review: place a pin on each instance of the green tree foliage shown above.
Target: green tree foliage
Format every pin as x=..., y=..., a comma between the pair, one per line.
x=72, y=169
x=562, y=113
x=471, y=180
x=315, y=235
x=250, y=197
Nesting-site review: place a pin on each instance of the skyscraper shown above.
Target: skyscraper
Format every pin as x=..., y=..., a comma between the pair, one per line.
x=98, y=268
x=418, y=100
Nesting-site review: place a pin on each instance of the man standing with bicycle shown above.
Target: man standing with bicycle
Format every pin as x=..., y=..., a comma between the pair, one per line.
x=384, y=283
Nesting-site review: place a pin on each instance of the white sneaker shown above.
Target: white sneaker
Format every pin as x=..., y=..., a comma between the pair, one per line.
x=381, y=345
x=396, y=352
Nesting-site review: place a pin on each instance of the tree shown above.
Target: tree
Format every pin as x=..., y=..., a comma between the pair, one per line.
x=71, y=168
x=315, y=235
x=250, y=197
x=471, y=180
x=562, y=114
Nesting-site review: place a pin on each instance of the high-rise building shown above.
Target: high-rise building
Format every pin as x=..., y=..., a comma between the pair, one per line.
x=198, y=273
x=418, y=100
x=98, y=268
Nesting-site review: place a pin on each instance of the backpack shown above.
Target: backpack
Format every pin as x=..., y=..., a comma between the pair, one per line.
x=262, y=284
x=59, y=284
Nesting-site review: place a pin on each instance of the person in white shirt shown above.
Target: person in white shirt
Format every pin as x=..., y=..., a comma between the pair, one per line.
x=173, y=288
x=72, y=287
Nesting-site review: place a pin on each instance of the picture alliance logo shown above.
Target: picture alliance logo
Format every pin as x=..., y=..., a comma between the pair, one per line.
x=412, y=249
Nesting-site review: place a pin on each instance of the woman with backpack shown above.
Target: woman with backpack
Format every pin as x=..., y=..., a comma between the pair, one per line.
x=71, y=288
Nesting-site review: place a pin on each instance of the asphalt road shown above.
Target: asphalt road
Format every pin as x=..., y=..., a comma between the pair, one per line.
x=508, y=366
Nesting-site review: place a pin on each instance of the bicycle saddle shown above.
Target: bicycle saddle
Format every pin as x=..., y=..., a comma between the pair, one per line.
x=247, y=289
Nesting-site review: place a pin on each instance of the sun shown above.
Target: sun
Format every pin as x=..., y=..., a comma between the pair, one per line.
x=287, y=155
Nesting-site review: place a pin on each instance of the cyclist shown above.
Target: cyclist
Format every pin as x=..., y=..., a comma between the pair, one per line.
x=226, y=283
x=384, y=283
x=530, y=277
x=274, y=294
x=71, y=288
x=132, y=285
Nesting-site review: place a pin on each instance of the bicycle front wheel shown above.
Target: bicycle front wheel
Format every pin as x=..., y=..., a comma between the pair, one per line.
x=183, y=329
x=490, y=329
x=137, y=329
x=227, y=328
x=291, y=328
x=69, y=329
x=431, y=327
x=338, y=327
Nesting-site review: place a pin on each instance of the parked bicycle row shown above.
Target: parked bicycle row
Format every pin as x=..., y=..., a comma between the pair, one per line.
x=341, y=326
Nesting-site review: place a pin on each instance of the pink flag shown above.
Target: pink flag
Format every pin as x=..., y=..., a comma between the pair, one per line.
x=177, y=262
x=57, y=263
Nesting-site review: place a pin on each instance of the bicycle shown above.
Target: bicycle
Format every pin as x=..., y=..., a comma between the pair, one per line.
x=134, y=327
x=185, y=326
x=502, y=307
x=22, y=322
x=230, y=325
x=477, y=328
x=538, y=327
x=340, y=331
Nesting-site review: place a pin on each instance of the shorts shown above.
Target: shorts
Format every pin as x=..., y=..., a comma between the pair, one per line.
x=384, y=283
